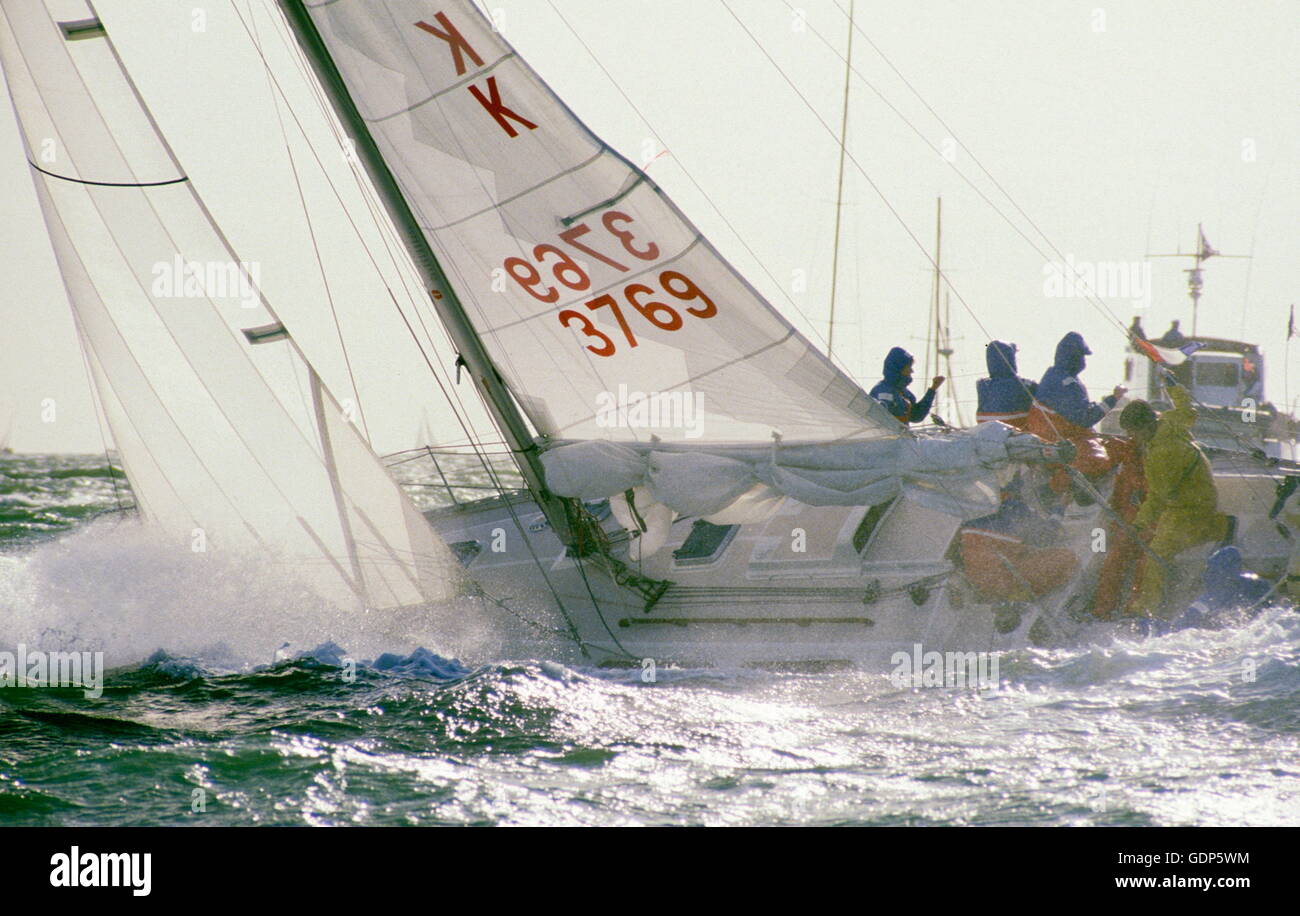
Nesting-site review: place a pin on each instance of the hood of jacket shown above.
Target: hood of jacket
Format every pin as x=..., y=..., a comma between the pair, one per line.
x=1070, y=353
x=1223, y=566
x=1226, y=584
x=897, y=360
x=1000, y=357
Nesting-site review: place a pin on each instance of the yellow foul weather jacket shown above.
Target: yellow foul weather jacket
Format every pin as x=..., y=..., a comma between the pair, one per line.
x=1177, y=471
x=1181, y=507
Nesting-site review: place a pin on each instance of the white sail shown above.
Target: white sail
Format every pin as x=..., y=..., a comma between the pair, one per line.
x=227, y=435
x=591, y=291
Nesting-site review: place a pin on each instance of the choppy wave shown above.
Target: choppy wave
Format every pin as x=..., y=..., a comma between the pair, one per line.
x=234, y=699
x=42, y=496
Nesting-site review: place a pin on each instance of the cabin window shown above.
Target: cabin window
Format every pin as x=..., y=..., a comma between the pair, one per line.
x=1216, y=375
x=466, y=551
x=704, y=544
x=868, y=526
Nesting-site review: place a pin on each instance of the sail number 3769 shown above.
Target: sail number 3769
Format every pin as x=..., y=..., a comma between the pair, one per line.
x=569, y=273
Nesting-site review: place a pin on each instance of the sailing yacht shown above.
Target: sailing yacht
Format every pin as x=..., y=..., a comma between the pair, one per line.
x=691, y=478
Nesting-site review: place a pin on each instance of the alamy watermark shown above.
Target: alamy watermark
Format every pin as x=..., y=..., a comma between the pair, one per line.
x=625, y=409
x=182, y=279
x=944, y=669
x=34, y=668
x=75, y=868
x=1071, y=279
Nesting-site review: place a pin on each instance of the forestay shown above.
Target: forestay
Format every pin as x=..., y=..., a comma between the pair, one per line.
x=227, y=435
x=591, y=291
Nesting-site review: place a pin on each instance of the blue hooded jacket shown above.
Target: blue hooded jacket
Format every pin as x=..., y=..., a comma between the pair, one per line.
x=1002, y=392
x=1061, y=391
x=892, y=390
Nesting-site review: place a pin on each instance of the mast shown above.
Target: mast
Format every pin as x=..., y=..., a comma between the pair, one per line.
x=943, y=319
x=839, y=192
x=938, y=332
x=937, y=328
x=500, y=403
x=1195, y=281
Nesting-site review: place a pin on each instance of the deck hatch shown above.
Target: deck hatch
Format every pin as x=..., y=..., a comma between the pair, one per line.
x=704, y=544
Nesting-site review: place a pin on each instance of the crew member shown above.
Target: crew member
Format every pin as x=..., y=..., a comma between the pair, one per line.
x=1003, y=396
x=1061, y=410
x=1286, y=512
x=1181, y=506
x=1007, y=555
x=1173, y=337
x=893, y=393
x=1122, y=551
x=1228, y=591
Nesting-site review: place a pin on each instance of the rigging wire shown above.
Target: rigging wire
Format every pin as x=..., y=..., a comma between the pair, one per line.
x=1092, y=299
x=487, y=465
x=839, y=187
x=379, y=224
x=100, y=418
x=1096, y=301
x=812, y=327
x=311, y=229
x=960, y=298
x=861, y=170
x=942, y=485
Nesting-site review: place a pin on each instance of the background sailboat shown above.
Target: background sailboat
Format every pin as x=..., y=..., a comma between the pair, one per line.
x=227, y=433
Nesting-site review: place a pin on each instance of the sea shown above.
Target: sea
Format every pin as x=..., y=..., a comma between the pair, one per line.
x=232, y=698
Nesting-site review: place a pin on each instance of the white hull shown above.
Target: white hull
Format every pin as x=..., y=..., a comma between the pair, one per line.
x=859, y=590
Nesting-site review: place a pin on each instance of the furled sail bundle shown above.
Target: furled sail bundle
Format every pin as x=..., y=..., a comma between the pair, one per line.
x=588, y=287
x=225, y=430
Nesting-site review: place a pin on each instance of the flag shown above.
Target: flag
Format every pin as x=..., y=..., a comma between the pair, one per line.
x=1207, y=250
x=1167, y=356
x=1290, y=325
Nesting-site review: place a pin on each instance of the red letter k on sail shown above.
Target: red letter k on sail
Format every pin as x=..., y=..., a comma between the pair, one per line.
x=491, y=101
x=459, y=46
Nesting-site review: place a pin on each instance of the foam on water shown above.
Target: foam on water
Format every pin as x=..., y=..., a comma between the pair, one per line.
x=118, y=587
x=283, y=710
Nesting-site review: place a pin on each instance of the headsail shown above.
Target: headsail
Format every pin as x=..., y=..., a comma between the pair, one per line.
x=590, y=290
x=225, y=430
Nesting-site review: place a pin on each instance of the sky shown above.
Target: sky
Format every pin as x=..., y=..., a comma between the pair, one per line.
x=1112, y=129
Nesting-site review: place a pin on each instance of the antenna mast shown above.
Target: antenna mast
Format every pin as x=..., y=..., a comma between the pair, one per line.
x=1195, y=280
x=942, y=310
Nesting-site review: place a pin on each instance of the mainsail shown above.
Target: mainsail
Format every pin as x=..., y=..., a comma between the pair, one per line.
x=591, y=291
x=642, y=357
x=227, y=434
